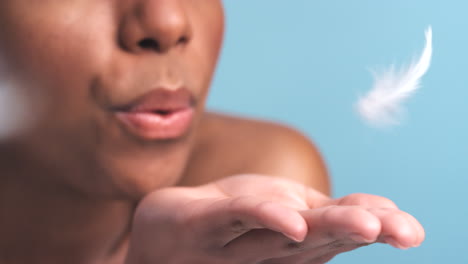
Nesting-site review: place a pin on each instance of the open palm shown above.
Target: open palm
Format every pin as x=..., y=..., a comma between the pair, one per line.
x=259, y=219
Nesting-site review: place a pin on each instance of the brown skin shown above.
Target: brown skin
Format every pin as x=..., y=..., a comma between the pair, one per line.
x=84, y=173
x=101, y=228
x=76, y=184
x=255, y=147
x=83, y=58
x=78, y=58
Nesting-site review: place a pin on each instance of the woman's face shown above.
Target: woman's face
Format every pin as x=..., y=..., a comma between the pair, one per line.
x=121, y=85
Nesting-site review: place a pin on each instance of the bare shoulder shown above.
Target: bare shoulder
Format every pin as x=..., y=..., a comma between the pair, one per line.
x=228, y=145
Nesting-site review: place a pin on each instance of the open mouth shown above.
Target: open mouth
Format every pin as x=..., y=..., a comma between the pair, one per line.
x=163, y=112
x=158, y=124
x=160, y=114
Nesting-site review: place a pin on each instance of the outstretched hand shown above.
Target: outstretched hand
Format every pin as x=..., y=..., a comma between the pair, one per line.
x=259, y=219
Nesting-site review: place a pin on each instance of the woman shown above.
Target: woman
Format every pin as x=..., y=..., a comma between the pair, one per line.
x=116, y=127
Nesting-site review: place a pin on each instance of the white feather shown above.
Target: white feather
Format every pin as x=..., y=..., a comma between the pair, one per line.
x=382, y=106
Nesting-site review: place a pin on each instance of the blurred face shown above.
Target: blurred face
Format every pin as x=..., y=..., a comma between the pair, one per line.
x=116, y=86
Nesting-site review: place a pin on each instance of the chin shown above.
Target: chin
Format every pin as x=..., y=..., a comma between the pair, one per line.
x=134, y=178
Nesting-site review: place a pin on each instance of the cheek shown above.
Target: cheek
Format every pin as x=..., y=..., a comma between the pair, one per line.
x=206, y=45
x=57, y=54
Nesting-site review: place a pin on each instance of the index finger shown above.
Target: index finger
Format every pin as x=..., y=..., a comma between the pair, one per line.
x=226, y=219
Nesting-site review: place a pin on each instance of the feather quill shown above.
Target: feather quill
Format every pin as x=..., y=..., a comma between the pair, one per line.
x=383, y=105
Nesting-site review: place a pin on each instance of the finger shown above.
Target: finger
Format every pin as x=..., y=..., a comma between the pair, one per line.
x=420, y=233
x=261, y=245
x=333, y=223
x=420, y=230
x=373, y=201
x=399, y=229
x=328, y=228
x=226, y=219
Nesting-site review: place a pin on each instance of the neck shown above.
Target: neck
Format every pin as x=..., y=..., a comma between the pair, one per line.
x=43, y=222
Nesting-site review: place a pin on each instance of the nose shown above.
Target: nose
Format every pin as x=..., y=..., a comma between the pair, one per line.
x=155, y=25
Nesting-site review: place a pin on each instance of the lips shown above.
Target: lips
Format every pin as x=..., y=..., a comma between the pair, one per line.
x=159, y=114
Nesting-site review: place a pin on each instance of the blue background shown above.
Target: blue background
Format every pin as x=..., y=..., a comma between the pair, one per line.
x=304, y=63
